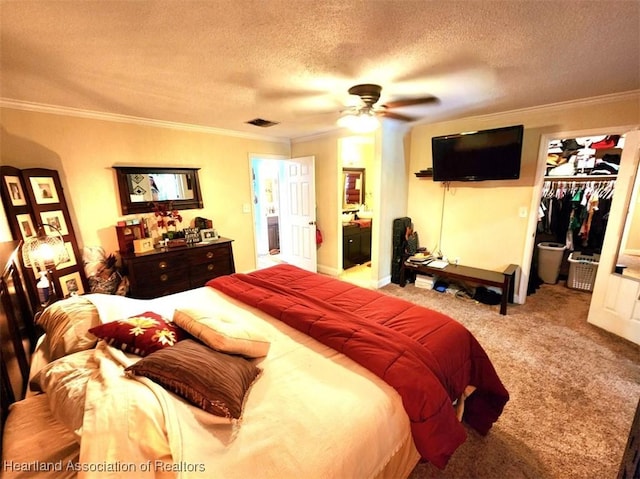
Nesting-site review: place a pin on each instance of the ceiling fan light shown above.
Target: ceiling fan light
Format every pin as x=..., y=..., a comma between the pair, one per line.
x=363, y=122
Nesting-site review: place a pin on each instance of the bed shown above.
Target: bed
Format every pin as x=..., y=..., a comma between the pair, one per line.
x=339, y=381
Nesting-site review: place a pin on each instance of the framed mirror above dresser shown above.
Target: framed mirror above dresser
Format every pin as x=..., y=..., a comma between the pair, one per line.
x=140, y=187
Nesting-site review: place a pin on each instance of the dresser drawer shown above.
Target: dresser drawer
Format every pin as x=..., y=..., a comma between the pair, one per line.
x=202, y=273
x=161, y=264
x=159, y=273
x=206, y=255
x=163, y=284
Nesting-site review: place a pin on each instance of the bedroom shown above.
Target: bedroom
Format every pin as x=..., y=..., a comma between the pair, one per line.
x=83, y=148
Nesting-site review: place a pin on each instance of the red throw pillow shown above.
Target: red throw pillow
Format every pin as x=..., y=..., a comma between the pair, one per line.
x=141, y=334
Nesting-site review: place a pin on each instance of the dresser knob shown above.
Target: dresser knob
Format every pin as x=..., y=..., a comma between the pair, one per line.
x=164, y=277
x=210, y=267
x=162, y=264
x=209, y=254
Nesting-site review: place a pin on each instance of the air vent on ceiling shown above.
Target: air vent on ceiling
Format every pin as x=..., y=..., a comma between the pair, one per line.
x=262, y=123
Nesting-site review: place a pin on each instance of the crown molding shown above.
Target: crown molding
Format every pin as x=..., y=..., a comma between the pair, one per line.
x=563, y=105
x=96, y=115
x=633, y=95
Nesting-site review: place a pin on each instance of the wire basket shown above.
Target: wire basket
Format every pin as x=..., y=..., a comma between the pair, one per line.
x=582, y=271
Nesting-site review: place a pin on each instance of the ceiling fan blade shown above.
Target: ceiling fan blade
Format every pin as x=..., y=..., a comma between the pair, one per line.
x=395, y=116
x=410, y=102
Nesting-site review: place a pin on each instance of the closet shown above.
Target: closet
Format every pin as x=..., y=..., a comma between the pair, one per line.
x=574, y=212
x=577, y=192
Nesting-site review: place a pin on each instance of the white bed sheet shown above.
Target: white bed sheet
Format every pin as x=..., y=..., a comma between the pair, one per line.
x=312, y=413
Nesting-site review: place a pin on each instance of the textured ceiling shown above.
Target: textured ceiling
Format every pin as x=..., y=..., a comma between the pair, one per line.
x=220, y=63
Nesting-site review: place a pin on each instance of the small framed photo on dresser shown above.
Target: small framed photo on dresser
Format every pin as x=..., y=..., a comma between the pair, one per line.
x=208, y=234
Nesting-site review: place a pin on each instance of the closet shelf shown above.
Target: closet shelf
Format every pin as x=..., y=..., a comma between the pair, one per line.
x=581, y=178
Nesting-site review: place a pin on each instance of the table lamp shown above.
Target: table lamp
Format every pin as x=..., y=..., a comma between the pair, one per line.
x=43, y=252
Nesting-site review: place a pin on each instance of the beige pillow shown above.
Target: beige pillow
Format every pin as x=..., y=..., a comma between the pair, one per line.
x=222, y=334
x=65, y=383
x=67, y=323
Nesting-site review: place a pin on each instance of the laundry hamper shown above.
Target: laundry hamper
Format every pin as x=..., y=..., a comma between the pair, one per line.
x=582, y=270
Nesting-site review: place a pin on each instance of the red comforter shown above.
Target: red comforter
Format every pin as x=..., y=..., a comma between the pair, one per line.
x=426, y=356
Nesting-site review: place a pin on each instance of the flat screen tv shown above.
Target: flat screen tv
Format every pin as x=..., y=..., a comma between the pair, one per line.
x=480, y=155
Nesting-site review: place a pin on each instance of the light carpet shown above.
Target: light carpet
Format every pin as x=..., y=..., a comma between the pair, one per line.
x=573, y=386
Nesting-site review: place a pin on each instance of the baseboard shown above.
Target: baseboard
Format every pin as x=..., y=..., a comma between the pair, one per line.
x=329, y=271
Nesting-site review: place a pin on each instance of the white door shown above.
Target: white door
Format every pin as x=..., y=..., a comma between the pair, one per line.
x=298, y=219
x=615, y=303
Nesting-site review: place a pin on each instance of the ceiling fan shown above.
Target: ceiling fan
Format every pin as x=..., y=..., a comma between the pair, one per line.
x=370, y=94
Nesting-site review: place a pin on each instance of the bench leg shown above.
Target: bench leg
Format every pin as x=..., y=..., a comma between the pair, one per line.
x=506, y=290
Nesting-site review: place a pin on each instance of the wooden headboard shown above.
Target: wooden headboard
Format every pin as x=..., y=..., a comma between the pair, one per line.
x=17, y=330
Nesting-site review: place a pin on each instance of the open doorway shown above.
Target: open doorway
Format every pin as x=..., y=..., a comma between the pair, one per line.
x=576, y=180
x=265, y=186
x=284, y=209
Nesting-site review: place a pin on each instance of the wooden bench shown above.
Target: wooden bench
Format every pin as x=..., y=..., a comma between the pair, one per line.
x=485, y=277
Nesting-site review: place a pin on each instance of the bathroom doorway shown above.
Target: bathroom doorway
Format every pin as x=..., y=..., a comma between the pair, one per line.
x=283, y=191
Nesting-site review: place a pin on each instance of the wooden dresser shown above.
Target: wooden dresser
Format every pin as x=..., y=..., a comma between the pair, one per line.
x=171, y=270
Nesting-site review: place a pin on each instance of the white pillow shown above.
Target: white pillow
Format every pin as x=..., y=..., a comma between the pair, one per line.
x=222, y=334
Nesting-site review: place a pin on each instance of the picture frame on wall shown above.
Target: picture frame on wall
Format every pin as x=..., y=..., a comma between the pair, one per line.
x=71, y=284
x=72, y=257
x=56, y=219
x=26, y=226
x=15, y=191
x=44, y=190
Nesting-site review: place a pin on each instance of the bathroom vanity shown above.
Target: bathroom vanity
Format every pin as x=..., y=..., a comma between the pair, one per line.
x=356, y=243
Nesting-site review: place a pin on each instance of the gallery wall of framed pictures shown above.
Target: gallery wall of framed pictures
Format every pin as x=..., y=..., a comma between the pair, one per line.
x=34, y=197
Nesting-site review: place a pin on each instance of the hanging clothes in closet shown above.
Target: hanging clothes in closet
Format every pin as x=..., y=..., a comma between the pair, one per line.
x=576, y=212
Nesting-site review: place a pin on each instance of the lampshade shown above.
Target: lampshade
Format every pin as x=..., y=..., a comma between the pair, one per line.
x=45, y=250
x=363, y=121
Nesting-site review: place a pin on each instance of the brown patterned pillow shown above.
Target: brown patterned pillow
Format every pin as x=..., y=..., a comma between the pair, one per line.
x=141, y=334
x=213, y=381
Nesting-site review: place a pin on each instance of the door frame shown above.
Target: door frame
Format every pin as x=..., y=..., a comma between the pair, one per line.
x=536, y=196
x=281, y=160
x=254, y=218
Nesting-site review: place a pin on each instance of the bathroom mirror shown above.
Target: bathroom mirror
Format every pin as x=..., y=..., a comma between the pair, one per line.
x=141, y=187
x=353, y=186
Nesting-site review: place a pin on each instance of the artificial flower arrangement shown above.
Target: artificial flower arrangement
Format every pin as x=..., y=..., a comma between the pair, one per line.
x=166, y=215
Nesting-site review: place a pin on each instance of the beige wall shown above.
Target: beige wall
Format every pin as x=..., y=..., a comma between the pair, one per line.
x=481, y=222
x=83, y=151
x=632, y=245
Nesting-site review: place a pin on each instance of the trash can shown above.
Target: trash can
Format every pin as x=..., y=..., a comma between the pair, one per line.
x=549, y=260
